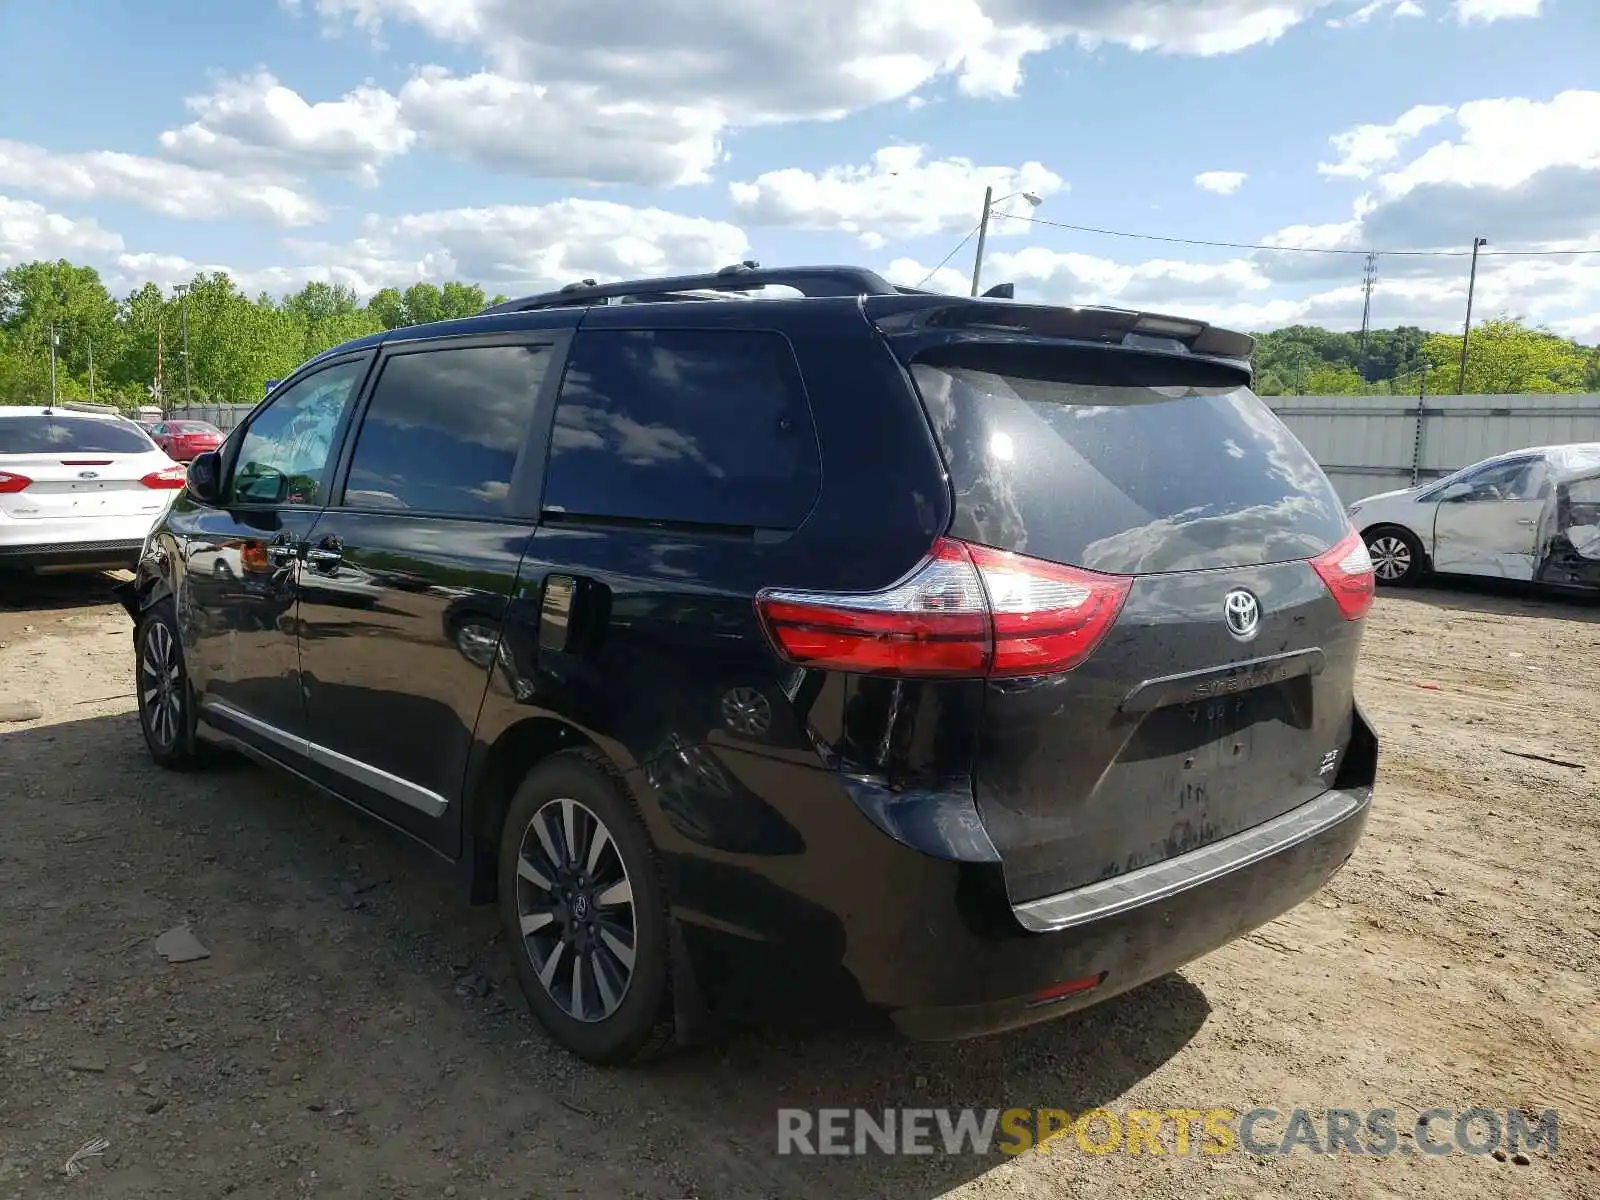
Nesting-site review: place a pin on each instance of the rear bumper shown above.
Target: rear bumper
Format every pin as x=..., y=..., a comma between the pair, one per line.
x=78, y=555
x=1153, y=927
x=74, y=543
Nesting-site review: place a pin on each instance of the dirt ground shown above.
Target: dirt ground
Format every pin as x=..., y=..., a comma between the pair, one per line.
x=356, y=1031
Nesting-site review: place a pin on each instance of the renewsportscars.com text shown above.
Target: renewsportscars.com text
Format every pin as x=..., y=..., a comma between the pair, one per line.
x=1264, y=1132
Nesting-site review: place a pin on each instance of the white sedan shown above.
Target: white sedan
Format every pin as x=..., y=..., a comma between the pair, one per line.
x=1531, y=515
x=78, y=490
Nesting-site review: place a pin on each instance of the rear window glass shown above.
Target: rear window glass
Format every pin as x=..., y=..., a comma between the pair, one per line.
x=1116, y=462
x=192, y=427
x=60, y=434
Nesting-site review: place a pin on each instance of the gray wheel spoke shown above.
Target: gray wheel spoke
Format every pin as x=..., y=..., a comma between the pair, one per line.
x=620, y=892
x=608, y=994
x=541, y=830
x=535, y=921
x=547, y=973
x=577, y=986
x=623, y=953
x=526, y=870
x=569, y=820
x=597, y=844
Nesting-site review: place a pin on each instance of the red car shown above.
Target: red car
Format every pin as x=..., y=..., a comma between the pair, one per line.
x=184, y=440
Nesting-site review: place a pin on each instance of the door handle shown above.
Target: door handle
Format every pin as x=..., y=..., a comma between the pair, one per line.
x=1526, y=521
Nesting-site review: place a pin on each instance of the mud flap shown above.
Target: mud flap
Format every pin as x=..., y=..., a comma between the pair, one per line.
x=127, y=595
x=691, y=1015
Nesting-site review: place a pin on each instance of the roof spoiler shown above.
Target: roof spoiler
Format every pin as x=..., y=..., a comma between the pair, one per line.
x=943, y=317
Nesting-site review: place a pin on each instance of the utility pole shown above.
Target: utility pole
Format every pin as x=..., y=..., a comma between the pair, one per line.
x=983, y=236
x=183, y=322
x=1369, y=278
x=1466, y=330
x=88, y=338
x=158, y=397
x=53, y=340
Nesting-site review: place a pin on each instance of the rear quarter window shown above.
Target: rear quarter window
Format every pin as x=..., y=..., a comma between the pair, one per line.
x=693, y=427
x=1123, y=463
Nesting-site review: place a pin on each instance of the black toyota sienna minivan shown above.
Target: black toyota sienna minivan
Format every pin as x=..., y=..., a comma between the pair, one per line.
x=785, y=639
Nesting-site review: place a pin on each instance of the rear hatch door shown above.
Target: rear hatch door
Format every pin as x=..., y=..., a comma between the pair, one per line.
x=1182, y=728
x=78, y=467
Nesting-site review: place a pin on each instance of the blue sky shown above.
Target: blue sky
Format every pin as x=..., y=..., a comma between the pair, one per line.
x=523, y=143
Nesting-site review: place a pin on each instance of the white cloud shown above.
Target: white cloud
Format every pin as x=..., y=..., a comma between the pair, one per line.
x=760, y=62
x=1367, y=147
x=29, y=231
x=1223, y=183
x=511, y=247
x=1364, y=14
x=1484, y=11
x=172, y=189
x=256, y=123
x=900, y=193
x=565, y=131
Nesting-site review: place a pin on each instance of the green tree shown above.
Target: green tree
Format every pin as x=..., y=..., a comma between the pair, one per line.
x=1506, y=357
x=39, y=300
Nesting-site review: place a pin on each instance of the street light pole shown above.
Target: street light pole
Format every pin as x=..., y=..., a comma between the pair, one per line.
x=53, y=340
x=1466, y=330
x=983, y=228
x=983, y=236
x=90, y=339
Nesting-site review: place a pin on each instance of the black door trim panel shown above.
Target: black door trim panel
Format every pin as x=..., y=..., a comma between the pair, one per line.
x=392, y=786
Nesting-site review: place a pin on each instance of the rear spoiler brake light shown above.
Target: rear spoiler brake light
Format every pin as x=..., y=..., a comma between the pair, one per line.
x=908, y=315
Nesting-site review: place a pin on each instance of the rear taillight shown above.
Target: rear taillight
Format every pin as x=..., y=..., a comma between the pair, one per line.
x=1347, y=570
x=11, y=483
x=967, y=611
x=174, y=476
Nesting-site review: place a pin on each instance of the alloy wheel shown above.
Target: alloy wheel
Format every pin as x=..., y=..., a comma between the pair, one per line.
x=1391, y=557
x=161, y=685
x=576, y=910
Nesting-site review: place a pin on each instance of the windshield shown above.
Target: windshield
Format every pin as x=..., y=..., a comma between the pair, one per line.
x=62, y=434
x=1082, y=461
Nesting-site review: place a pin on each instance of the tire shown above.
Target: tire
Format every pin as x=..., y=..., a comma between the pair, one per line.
x=573, y=962
x=161, y=685
x=1397, y=551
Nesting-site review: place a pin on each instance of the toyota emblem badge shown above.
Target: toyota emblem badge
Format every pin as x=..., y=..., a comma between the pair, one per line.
x=1242, y=611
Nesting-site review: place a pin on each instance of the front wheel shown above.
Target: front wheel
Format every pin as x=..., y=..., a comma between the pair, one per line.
x=584, y=914
x=161, y=683
x=1398, y=559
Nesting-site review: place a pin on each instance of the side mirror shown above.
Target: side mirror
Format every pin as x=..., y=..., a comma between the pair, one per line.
x=205, y=477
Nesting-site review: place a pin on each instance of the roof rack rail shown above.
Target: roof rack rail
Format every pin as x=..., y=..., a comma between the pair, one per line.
x=810, y=282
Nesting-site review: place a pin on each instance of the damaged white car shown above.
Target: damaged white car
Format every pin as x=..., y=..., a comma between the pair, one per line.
x=1531, y=515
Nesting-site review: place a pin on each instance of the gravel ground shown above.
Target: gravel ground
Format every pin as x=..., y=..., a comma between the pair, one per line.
x=355, y=1031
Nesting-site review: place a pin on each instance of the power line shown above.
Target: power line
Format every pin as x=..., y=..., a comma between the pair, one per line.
x=948, y=257
x=1182, y=241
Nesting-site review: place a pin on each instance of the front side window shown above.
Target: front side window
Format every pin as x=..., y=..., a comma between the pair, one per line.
x=284, y=455
x=1519, y=480
x=444, y=428
x=702, y=426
